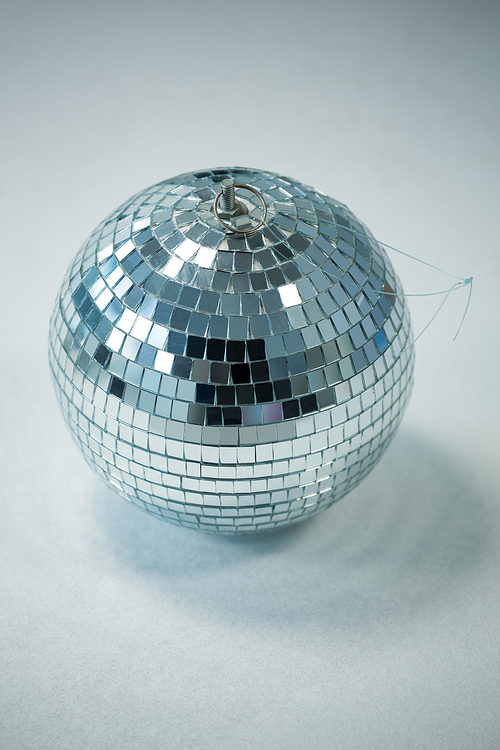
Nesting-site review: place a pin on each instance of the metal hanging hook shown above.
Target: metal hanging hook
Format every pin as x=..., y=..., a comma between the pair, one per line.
x=231, y=208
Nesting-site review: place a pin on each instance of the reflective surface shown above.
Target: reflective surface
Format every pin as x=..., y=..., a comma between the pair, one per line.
x=225, y=382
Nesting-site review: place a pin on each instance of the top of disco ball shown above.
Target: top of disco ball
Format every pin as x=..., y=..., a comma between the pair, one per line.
x=264, y=289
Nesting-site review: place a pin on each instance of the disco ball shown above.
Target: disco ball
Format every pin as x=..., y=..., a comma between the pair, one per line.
x=231, y=350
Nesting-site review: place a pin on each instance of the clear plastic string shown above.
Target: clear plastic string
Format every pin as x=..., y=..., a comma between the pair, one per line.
x=458, y=285
x=412, y=257
x=469, y=282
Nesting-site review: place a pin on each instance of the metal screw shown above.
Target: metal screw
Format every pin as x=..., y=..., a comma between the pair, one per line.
x=233, y=214
x=228, y=198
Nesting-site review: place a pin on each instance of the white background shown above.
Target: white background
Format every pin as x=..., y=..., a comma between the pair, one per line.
x=374, y=625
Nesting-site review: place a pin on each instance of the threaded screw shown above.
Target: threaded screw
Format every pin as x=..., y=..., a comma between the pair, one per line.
x=228, y=198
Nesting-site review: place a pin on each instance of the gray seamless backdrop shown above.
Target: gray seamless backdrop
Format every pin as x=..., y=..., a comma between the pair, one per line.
x=375, y=624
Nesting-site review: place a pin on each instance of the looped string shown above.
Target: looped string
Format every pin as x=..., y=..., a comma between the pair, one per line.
x=458, y=285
